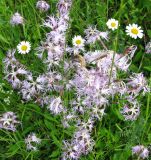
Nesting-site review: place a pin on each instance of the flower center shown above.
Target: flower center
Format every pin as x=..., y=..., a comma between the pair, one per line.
x=78, y=41
x=7, y=122
x=92, y=32
x=24, y=48
x=113, y=24
x=134, y=31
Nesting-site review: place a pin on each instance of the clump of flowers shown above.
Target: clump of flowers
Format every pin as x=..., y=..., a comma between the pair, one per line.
x=140, y=151
x=95, y=85
x=13, y=69
x=95, y=79
x=80, y=144
x=32, y=141
x=9, y=121
x=17, y=19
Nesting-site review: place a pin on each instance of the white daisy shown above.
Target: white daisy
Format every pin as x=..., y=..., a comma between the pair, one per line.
x=112, y=24
x=78, y=41
x=134, y=31
x=23, y=47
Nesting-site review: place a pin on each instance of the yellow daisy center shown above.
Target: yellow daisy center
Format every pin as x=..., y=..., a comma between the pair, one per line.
x=24, y=47
x=113, y=24
x=78, y=41
x=134, y=31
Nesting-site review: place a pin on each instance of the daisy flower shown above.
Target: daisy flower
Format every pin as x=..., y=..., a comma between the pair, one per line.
x=134, y=31
x=112, y=24
x=78, y=41
x=23, y=47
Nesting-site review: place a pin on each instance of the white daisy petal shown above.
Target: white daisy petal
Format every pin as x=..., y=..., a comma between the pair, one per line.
x=140, y=35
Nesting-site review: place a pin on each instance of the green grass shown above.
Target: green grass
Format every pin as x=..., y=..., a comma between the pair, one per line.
x=114, y=137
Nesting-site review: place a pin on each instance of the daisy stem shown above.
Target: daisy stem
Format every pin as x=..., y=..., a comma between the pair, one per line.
x=24, y=31
x=112, y=64
x=116, y=38
x=107, y=8
x=141, y=63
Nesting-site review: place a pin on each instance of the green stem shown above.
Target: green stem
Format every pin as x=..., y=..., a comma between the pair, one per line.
x=148, y=103
x=141, y=63
x=116, y=39
x=112, y=64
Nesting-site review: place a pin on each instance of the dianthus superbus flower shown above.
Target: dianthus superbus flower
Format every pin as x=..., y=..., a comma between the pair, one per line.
x=32, y=88
x=17, y=19
x=56, y=106
x=140, y=151
x=137, y=83
x=42, y=5
x=13, y=74
x=64, y=6
x=131, y=111
x=93, y=35
x=32, y=141
x=137, y=149
x=81, y=144
x=9, y=121
x=145, y=153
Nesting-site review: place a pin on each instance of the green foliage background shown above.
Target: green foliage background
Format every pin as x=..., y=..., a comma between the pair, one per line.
x=114, y=137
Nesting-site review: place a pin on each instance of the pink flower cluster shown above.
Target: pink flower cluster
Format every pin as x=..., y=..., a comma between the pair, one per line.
x=95, y=80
